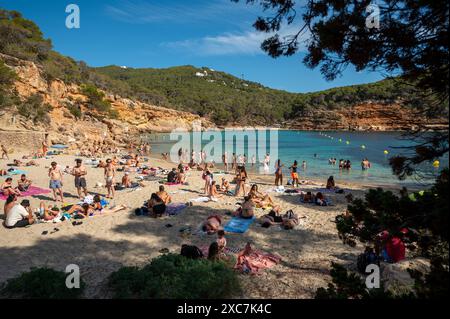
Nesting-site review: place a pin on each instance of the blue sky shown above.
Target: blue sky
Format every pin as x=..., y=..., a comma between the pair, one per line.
x=149, y=33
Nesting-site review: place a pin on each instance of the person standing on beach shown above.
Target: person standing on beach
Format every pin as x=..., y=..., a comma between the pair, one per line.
x=110, y=174
x=266, y=163
x=225, y=161
x=44, y=148
x=278, y=173
x=233, y=161
x=304, y=165
x=294, y=174
x=80, y=172
x=253, y=160
x=4, y=152
x=56, y=181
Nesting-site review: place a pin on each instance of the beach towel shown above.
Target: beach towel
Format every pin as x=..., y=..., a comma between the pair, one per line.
x=238, y=225
x=175, y=208
x=59, y=146
x=15, y=172
x=200, y=200
x=256, y=261
x=32, y=191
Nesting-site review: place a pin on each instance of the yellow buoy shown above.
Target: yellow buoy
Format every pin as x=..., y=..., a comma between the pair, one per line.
x=347, y=142
x=363, y=147
x=436, y=163
x=386, y=152
x=340, y=140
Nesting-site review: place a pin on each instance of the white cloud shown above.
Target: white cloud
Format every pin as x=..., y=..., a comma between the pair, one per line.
x=244, y=43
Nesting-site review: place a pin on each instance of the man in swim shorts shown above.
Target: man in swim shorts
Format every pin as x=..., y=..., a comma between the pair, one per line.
x=56, y=182
x=80, y=172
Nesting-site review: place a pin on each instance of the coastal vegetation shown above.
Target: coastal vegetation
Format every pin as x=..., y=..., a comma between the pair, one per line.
x=41, y=283
x=176, y=277
x=221, y=97
x=421, y=219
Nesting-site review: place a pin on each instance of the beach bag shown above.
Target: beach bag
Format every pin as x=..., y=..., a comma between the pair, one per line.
x=366, y=259
x=192, y=252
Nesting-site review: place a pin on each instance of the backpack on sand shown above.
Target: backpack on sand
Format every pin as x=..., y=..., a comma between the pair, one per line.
x=192, y=252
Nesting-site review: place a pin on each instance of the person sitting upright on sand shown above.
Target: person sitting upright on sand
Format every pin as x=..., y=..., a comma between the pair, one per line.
x=23, y=183
x=165, y=197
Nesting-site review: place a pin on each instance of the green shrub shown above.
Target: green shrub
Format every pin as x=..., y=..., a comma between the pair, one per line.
x=74, y=110
x=34, y=109
x=41, y=283
x=97, y=101
x=176, y=277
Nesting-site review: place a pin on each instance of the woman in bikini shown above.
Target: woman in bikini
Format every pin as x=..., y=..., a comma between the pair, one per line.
x=262, y=200
x=8, y=189
x=241, y=178
x=278, y=173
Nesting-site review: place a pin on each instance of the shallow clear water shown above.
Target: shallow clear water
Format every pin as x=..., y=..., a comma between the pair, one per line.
x=317, y=147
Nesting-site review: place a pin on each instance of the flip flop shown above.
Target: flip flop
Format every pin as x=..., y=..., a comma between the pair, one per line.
x=44, y=232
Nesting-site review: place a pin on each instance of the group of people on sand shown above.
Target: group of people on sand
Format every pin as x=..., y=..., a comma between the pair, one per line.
x=21, y=215
x=23, y=184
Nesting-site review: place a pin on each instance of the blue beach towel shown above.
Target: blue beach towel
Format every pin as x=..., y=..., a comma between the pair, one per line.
x=59, y=146
x=16, y=172
x=238, y=225
x=175, y=208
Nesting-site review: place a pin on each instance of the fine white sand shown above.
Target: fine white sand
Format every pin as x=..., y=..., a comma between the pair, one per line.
x=103, y=244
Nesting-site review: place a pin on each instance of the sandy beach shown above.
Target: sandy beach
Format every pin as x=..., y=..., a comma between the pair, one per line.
x=103, y=244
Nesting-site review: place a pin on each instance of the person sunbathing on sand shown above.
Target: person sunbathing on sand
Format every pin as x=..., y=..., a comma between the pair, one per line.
x=23, y=183
x=213, y=193
x=212, y=224
x=49, y=213
x=126, y=180
x=247, y=209
x=99, y=208
x=307, y=198
x=181, y=176
x=165, y=197
x=7, y=188
x=156, y=206
x=320, y=199
x=330, y=183
x=262, y=200
x=225, y=186
x=81, y=211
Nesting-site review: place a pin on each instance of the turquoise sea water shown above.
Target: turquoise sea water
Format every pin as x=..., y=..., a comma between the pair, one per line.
x=317, y=147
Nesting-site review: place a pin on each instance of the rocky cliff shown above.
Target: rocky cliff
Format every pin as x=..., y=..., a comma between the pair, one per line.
x=134, y=117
